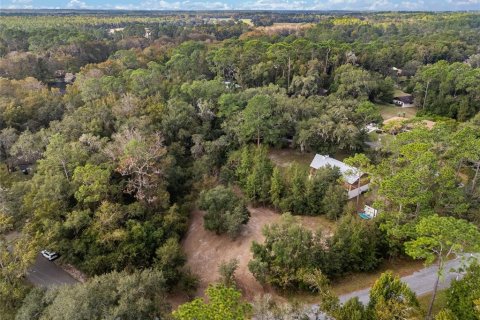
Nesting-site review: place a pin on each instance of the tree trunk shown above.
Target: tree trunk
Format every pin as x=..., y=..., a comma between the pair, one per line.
x=435, y=288
x=474, y=181
x=417, y=209
x=65, y=170
x=326, y=61
x=258, y=137
x=288, y=74
x=358, y=195
x=458, y=168
x=426, y=93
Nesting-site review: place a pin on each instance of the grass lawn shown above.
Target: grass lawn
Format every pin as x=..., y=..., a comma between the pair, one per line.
x=389, y=111
x=399, y=93
x=439, y=304
x=286, y=157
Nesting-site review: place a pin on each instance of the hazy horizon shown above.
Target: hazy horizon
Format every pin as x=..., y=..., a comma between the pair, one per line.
x=233, y=5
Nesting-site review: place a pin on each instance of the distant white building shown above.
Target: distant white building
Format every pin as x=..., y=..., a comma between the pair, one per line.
x=113, y=30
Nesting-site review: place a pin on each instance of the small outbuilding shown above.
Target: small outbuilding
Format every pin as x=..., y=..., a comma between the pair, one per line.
x=368, y=213
x=403, y=100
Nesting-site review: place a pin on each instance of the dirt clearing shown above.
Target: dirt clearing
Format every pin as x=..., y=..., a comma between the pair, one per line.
x=206, y=251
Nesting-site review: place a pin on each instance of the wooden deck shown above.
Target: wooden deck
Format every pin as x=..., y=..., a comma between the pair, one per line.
x=355, y=192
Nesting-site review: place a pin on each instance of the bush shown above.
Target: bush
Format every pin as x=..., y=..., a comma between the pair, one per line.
x=223, y=303
x=227, y=272
x=226, y=212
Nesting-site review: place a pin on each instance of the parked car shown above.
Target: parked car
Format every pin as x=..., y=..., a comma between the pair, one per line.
x=50, y=255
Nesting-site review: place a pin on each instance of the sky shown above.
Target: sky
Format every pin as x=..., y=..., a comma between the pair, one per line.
x=381, y=5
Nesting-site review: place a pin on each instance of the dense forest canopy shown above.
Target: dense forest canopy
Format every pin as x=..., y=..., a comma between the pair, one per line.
x=160, y=113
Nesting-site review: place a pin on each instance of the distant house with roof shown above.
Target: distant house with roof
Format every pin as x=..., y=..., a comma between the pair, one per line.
x=403, y=99
x=351, y=176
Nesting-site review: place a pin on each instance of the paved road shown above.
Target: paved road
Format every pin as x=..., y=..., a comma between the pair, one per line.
x=46, y=273
x=421, y=282
x=43, y=273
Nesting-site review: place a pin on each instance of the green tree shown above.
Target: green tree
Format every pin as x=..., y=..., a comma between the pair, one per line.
x=62, y=157
x=29, y=147
x=227, y=272
x=354, y=246
x=288, y=254
x=225, y=211
x=277, y=188
x=334, y=201
x=318, y=184
x=117, y=295
x=368, y=112
x=258, y=120
x=351, y=81
x=92, y=183
x=438, y=238
x=295, y=200
x=445, y=314
x=462, y=294
x=244, y=166
x=258, y=181
x=224, y=303
x=15, y=258
x=169, y=259
x=352, y=309
x=391, y=299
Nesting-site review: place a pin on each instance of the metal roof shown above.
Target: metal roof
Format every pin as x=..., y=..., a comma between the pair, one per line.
x=350, y=174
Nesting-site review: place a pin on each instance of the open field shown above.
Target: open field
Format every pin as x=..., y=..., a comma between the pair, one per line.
x=399, y=93
x=275, y=29
x=389, y=111
x=285, y=26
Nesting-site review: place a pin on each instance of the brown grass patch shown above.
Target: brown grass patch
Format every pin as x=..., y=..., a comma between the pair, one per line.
x=389, y=111
x=285, y=157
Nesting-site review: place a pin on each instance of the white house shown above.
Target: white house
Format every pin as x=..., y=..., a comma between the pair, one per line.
x=351, y=175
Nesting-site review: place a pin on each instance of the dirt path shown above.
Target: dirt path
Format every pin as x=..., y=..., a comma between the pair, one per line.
x=206, y=250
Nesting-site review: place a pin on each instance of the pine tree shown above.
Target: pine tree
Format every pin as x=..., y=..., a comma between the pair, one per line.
x=277, y=188
x=334, y=201
x=244, y=167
